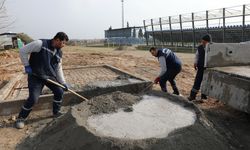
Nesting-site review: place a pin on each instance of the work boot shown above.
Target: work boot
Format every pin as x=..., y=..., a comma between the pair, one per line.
x=19, y=124
x=203, y=96
x=58, y=114
x=192, y=96
x=176, y=92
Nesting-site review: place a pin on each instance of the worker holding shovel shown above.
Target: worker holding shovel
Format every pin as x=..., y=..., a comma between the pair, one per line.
x=170, y=66
x=45, y=62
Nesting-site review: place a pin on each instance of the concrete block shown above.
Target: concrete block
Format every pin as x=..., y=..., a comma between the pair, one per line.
x=230, y=85
x=227, y=54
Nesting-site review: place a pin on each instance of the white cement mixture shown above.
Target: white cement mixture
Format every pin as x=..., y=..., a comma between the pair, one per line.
x=152, y=117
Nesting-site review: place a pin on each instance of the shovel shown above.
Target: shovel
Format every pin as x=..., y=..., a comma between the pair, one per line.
x=147, y=87
x=60, y=85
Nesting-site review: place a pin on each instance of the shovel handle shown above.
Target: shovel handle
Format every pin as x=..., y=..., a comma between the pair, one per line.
x=58, y=84
x=147, y=87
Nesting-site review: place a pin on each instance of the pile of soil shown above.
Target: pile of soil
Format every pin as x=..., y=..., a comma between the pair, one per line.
x=71, y=131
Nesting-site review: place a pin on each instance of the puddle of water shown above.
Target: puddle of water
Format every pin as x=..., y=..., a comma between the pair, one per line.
x=152, y=117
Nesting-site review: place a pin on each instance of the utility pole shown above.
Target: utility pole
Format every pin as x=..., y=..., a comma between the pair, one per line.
x=122, y=13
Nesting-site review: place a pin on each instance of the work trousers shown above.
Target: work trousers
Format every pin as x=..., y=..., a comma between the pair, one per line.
x=198, y=79
x=35, y=86
x=169, y=75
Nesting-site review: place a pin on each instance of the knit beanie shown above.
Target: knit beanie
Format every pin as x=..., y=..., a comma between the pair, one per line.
x=206, y=38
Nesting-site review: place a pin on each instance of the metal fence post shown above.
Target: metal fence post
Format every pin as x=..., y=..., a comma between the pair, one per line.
x=162, y=40
x=152, y=25
x=243, y=23
x=207, y=25
x=194, y=42
x=145, y=32
x=182, y=44
x=224, y=25
x=171, y=33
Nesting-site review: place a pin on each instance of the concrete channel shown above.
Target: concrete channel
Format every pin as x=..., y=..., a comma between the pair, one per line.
x=88, y=81
x=227, y=77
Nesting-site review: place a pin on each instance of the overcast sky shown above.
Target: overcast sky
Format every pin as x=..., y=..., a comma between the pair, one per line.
x=87, y=19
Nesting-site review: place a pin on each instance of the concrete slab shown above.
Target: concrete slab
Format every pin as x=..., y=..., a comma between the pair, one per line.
x=230, y=85
x=227, y=54
x=237, y=71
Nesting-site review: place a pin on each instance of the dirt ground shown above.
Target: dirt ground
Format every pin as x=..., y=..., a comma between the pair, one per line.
x=232, y=124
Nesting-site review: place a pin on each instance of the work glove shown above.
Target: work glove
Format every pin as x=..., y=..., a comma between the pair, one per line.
x=28, y=70
x=157, y=80
x=66, y=87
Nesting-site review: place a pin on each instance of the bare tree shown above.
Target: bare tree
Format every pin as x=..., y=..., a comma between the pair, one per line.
x=5, y=20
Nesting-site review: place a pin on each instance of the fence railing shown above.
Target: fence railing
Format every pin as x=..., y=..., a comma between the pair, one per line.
x=225, y=25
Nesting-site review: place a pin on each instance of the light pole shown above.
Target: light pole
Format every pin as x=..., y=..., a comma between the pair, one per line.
x=122, y=13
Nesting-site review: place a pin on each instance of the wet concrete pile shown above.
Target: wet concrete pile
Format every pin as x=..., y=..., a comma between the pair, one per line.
x=79, y=127
x=109, y=103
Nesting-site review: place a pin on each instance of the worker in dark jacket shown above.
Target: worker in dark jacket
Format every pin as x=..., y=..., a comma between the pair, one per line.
x=170, y=66
x=199, y=66
x=45, y=62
